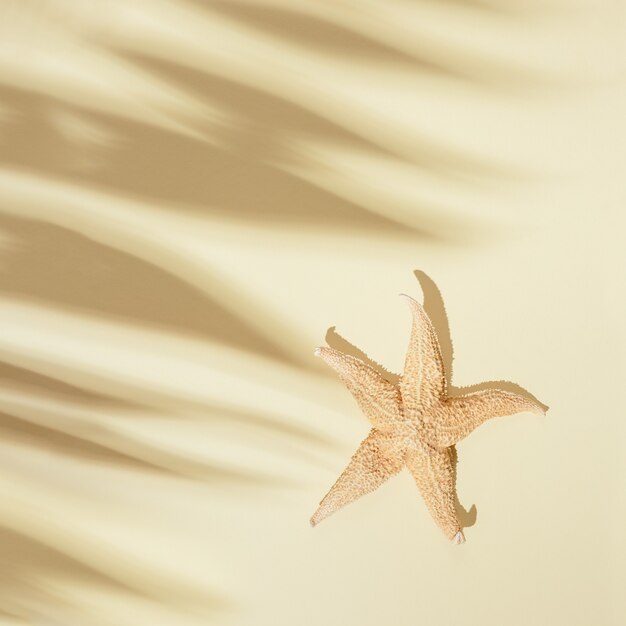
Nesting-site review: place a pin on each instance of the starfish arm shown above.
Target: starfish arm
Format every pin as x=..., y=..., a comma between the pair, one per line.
x=457, y=417
x=378, y=398
x=433, y=471
x=371, y=465
x=423, y=382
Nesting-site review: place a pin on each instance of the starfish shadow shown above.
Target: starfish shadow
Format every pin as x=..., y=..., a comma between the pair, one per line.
x=466, y=517
x=436, y=310
x=336, y=341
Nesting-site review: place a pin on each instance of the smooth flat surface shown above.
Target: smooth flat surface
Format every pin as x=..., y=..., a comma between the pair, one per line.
x=192, y=194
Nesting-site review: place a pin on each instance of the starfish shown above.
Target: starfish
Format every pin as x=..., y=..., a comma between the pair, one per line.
x=414, y=424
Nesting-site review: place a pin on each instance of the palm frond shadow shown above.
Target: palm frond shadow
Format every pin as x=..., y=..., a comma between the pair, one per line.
x=260, y=141
x=99, y=444
x=195, y=176
x=30, y=561
x=23, y=584
x=91, y=442
x=266, y=120
x=484, y=5
x=22, y=379
x=55, y=266
x=322, y=35
x=47, y=263
x=240, y=177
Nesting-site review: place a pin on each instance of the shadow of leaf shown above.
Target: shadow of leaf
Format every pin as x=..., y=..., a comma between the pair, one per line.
x=200, y=178
x=33, y=563
x=46, y=263
x=341, y=39
x=95, y=443
x=262, y=132
x=49, y=263
x=264, y=121
x=321, y=34
x=14, y=377
x=16, y=430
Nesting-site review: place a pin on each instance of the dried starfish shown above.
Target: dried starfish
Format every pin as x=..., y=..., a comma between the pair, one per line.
x=415, y=423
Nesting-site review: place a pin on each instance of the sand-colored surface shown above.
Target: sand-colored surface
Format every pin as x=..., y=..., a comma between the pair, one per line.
x=193, y=195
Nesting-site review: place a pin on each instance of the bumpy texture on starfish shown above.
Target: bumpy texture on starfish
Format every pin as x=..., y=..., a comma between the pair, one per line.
x=415, y=424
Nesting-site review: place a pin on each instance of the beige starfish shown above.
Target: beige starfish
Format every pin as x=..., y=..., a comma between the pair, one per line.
x=415, y=423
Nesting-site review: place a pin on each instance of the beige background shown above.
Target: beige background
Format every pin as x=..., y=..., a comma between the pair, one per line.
x=192, y=193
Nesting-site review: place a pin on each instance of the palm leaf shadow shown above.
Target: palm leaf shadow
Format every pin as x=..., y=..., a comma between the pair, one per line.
x=22, y=379
x=47, y=263
x=156, y=164
x=95, y=443
x=321, y=34
x=33, y=561
x=259, y=141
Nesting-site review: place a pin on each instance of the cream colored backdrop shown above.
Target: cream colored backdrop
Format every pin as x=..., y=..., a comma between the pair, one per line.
x=193, y=193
